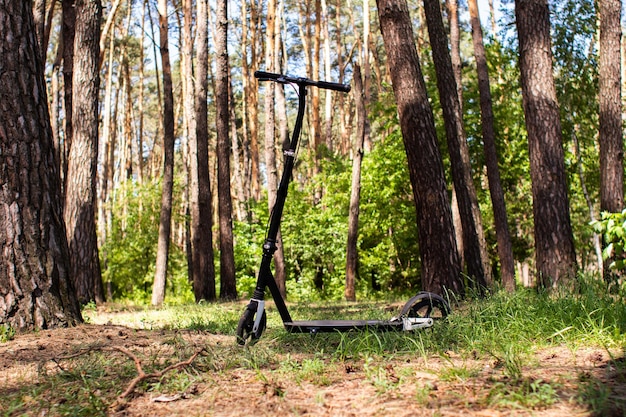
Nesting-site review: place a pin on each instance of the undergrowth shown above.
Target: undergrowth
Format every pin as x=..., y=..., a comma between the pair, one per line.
x=488, y=342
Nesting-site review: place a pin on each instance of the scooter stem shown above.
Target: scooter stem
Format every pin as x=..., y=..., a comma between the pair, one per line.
x=266, y=279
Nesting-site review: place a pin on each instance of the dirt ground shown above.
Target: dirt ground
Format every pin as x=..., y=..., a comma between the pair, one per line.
x=402, y=387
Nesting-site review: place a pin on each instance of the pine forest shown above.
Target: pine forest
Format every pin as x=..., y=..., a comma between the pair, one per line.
x=480, y=145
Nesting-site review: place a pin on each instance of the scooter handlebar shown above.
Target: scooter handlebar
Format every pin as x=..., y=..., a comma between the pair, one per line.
x=284, y=79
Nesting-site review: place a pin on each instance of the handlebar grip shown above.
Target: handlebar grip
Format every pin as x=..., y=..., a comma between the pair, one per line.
x=263, y=75
x=344, y=88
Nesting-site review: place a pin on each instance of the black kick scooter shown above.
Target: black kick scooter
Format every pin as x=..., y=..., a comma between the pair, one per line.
x=418, y=312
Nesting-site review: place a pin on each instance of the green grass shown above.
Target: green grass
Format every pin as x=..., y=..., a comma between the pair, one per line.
x=500, y=333
x=7, y=333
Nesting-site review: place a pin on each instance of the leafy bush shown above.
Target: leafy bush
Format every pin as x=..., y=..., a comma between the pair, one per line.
x=129, y=254
x=612, y=226
x=315, y=224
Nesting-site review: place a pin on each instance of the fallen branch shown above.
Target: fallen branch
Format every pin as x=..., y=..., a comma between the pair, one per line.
x=143, y=376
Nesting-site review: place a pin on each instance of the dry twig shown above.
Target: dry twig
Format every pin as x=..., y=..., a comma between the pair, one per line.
x=143, y=376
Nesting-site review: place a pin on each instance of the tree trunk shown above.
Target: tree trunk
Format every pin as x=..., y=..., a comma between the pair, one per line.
x=80, y=192
x=492, y=19
x=611, y=138
x=316, y=133
x=440, y=260
x=238, y=176
x=474, y=245
x=68, y=29
x=203, y=267
x=165, y=220
x=455, y=56
x=35, y=286
x=352, y=255
x=155, y=156
x=554, y=243
x=246, y=107
x=610, y=100
x=47, y=28
x=280, y=65
x=503, y=236
x=104, y=186
x=107, y=27
x=140, y=99
x=127, y=127
x=56, y=103
x=228, y=287
x=328, y=101
x=39, y=17
x=270, y=154
x=341, y=100
x=187, y=71
x=251, y=86
x=455, y=47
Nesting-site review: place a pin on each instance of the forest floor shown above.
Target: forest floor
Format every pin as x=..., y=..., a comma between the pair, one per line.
x=109, y=368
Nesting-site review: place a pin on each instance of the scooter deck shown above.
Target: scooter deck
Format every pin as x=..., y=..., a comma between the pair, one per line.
x=329, y=326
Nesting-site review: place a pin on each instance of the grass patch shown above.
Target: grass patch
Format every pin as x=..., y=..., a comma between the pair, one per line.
x=488, y=346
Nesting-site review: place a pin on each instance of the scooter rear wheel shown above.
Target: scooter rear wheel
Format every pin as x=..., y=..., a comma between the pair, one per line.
x=426, y=305
x=246, y=324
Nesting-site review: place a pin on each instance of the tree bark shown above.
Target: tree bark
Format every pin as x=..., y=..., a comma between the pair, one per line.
x=127, y=128
x=35, y=286
x=611, y=138
x=440, y=260
x=105, y=143
x=251, y=86
x=474, y=245
x=352, y=255
x=455, y=47
x=328, y=101
x=187, y=83
x=228, y=286
x=270, y=154
x=165, y=220
x=80, y=192
x=238, y=156
x=140, y=99
x=554, y=243
x=316, y=131
x=455, y=56
x=39, y=17
x=155, y=159
x=107, y=27
x=503, y=236
x=68, y=29
x=55, y=103
x=203, y=267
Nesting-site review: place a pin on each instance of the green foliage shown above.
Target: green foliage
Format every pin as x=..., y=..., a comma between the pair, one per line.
x=128, y=256
x=314, y=230
x=7, y=333
x=612, y=226
x=528, y=393
x=248, y=241
x=389, y=251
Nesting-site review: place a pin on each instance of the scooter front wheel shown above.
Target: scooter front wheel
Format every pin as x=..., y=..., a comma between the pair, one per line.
x=246, y=325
